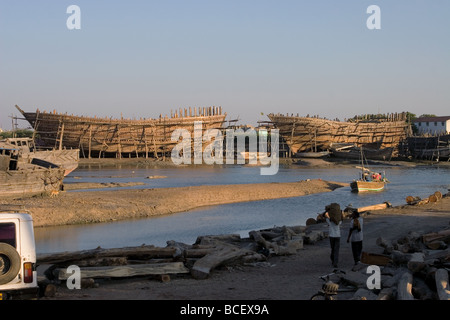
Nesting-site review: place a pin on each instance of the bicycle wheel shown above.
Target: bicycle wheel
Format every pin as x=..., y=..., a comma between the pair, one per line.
x=318, y=296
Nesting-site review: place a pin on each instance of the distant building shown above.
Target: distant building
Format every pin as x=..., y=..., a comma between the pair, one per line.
x=433, y=125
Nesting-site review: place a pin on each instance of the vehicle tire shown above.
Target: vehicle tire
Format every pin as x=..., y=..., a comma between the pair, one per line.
x=9, y=263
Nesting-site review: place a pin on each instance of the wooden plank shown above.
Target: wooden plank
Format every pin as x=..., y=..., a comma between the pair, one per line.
x=126, y=271
x=220, y=256
x=443, y=235
x=146, y=252
x=374, y=258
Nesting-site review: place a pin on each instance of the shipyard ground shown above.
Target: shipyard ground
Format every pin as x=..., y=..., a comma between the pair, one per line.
x=293, y=277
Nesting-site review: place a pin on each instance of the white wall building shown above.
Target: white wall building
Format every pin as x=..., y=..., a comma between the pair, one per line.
x=433, y=125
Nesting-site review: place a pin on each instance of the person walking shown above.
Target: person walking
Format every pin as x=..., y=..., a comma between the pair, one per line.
x=334, y=217
x=355, y=235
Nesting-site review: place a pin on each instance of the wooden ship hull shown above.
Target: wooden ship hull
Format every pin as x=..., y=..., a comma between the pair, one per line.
x=107, y=137
x=29, y=153
x=304, y=134
x=65, y=158
x=31, y=181
x=353, y=152
x=28, y=179
x=427, y=148
x=312, y=154
x=367, y=186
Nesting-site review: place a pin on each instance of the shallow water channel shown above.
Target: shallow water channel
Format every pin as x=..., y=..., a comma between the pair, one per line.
x=239, y=218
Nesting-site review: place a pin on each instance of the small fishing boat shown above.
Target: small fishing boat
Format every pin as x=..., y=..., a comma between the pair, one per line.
x=312, y=154
x=369, y=180
x=364, y=186
x=351, y=151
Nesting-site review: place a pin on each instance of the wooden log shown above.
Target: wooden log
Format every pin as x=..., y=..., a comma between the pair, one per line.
x=421, y=290
x=441, y=255
x=106, y=261
x=126, y=271
x=423, y=201
x=416, y=262
x=387, y=245
x=203, y=267
x=313, y=236
x=443, y=235
x=374, y=258
x=379, y=206
x=386, y=294
x=142, y=252
x=400, y=258
x=404, y=287
x=442, y=286
x=212, y=239
x=436, y=245
x=412, y=200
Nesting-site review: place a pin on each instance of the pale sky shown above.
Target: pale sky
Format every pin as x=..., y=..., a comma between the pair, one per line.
x=144, y=58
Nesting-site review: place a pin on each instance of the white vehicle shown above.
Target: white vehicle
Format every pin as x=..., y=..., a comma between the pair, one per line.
x=18, y=277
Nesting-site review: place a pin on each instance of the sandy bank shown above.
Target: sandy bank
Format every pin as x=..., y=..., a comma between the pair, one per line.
x=102, y=206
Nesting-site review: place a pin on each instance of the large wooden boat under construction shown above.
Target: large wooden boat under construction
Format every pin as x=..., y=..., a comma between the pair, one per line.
x=107, y=137
x=304, y=134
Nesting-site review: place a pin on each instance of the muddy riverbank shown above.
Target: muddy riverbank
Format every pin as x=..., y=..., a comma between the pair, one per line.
x=111, y=205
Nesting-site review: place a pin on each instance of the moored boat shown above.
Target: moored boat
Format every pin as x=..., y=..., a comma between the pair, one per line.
x=368, y=180
x=351, y=152
x=30, y=153
x=365, y=186
x=312, y=154
x=27, y=179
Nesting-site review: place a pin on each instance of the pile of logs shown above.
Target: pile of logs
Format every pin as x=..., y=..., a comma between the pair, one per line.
x=176, y=259
x=435, y=197
x=415, y=267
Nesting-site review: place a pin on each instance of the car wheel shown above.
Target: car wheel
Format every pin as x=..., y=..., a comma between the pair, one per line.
x=9, y=263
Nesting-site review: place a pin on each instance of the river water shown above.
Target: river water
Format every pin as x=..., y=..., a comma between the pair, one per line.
x=238, y=218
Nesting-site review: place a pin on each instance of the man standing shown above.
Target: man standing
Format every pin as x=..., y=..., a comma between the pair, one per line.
x=334, y=217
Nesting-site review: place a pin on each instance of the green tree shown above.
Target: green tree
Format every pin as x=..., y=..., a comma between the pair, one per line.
x=427, y=115
x=20, y=133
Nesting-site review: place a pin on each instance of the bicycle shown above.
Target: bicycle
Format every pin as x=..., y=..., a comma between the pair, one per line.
x=330, y=289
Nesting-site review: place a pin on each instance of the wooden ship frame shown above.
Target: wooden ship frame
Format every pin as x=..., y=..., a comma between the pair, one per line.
x=313, y=134
x=108, y=137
